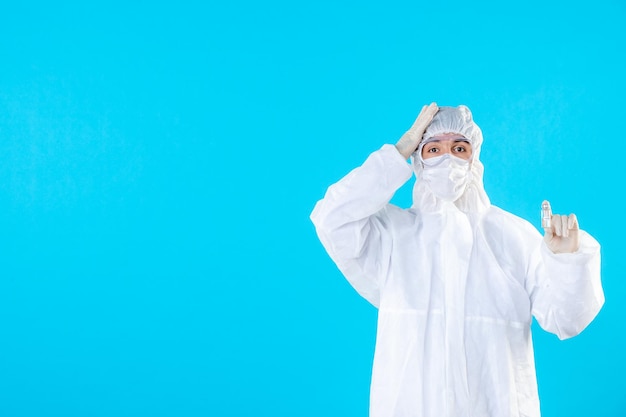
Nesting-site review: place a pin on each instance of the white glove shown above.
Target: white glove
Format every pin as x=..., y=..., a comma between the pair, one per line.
x=409, y=142
x=561, y=232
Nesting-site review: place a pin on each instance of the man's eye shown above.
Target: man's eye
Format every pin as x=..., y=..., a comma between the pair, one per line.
x=432, y=150
x=459, y=149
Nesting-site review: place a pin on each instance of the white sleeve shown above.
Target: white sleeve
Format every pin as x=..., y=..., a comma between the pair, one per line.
x=565, y=289
x=351, y=219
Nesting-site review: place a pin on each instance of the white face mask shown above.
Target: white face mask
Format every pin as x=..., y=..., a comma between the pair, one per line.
x=446, y=176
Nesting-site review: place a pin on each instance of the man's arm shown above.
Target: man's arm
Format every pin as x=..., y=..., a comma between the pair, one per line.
x=351, y=220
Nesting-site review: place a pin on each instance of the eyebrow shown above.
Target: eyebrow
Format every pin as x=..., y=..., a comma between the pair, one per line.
x=444, y=140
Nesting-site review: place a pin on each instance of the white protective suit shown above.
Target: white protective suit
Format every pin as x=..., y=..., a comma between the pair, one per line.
x=456, y=286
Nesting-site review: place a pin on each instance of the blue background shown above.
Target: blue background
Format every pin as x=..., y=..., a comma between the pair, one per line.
x=159, y=161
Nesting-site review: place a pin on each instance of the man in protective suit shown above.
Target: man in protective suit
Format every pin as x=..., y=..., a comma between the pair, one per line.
x=455, y=279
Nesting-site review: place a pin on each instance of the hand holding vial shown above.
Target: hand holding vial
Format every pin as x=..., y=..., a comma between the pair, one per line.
x=561, y=231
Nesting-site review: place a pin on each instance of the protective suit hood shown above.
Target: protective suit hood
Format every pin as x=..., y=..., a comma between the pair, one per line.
x=453, y=120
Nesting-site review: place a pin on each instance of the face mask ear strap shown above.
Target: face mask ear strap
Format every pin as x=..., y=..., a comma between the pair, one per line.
x=419, y=150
